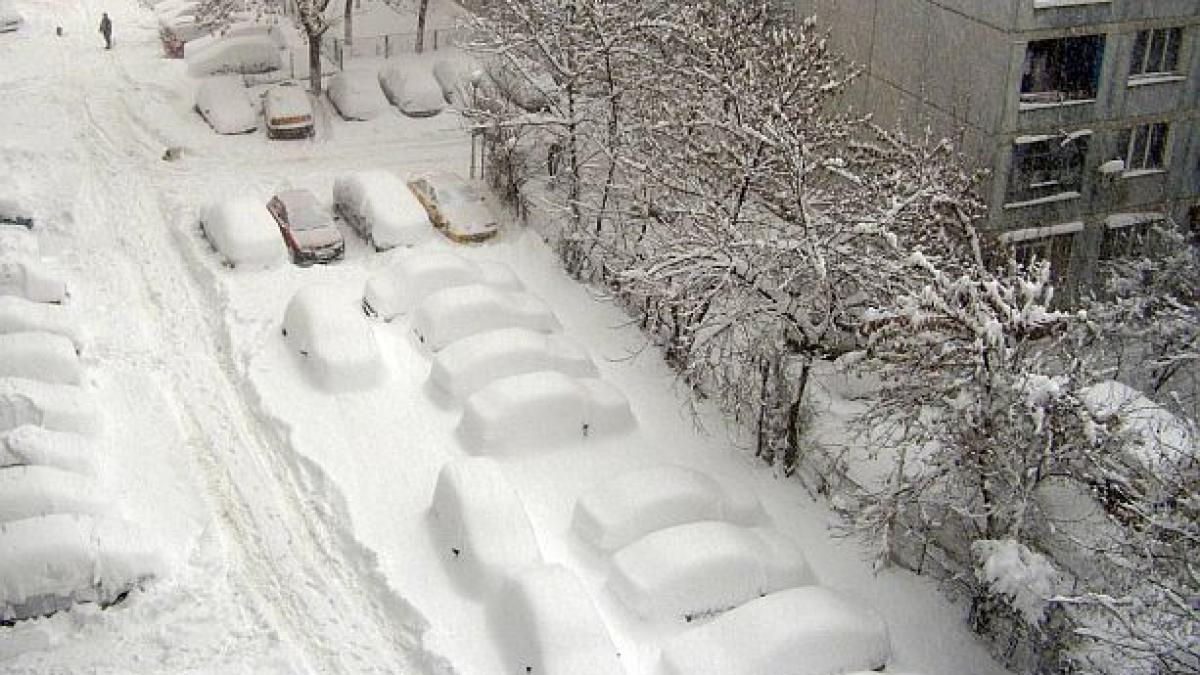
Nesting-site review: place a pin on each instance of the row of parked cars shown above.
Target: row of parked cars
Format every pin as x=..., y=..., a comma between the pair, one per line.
x=384, y=210
x=61, y=542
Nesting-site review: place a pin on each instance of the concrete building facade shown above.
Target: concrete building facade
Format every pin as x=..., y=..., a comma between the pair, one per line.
x=1086, y=112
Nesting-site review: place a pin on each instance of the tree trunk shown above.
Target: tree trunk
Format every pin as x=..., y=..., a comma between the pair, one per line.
x=348, y=19
x=421, y=25
x=791, y=453
x=314, y=64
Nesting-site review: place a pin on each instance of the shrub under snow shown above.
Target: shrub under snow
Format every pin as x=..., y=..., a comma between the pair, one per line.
x=1025, y=577
x=243, y=232
x=46, y=357
x=406, y=283
x=472, y=362
x=635, y=503
x=545, y=407
x=482, y=524
x=703, y=568
x=548, y=624
x=30, y=491
x=31, y=445
x=57, y=407
x=333, y=338
x=799, y=631
x=455, y=313
x=52, y=562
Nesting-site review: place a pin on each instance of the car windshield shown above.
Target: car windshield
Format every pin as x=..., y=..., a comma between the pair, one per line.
x=456, y=194
x=303, y=211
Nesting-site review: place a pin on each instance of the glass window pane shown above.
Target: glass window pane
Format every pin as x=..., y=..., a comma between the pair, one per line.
x=1157, y=146
x=1137, y=64
x=1137, y=149
x=1171, y=57
x=1158, y=47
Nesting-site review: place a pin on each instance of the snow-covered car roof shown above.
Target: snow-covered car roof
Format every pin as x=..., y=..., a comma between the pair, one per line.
x=391, y=213
x=356, y=95
x=405, y=283
x=333, y=339
x=469, y=364
x=225, y=104
x=243, y=231
x=455, y=313
x=412, y=88
x=245, y=54
x=286, y=100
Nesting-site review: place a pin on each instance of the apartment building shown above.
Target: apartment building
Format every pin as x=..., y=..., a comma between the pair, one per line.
x=1086, y=112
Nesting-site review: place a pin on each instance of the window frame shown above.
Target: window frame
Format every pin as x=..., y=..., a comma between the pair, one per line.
x=1057, y=172
x=1140, y=66
x=1061, y=71
x=1146, y=135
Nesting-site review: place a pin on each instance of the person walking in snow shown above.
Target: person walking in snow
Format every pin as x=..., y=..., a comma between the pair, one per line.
x=106, y=30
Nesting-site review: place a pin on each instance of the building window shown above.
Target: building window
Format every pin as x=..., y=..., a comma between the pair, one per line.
x=1127, y=234
x=1061, y=70
x=1055, y=249
x=1146, y=147
x=1045, y=167
x=1156, y=52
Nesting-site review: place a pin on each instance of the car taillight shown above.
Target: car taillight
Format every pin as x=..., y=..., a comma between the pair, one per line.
x=292, y=119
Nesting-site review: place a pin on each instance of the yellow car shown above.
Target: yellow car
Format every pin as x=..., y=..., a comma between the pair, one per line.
x=454, y=206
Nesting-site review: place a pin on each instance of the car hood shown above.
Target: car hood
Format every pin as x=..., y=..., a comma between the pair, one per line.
x=469, y=218
x=317, y=238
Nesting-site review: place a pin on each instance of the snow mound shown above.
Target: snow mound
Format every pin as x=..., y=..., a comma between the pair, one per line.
x=19, y=243
x=1152, y=435
x=482, y=523
x=243, y=232
x=472, y=362
x=32, y=281
x=381, y=208
x=536, y=409
x=702, y=568
x=406, y=283
x=333, y=338
x=356, y=95
x=30, y=491
x=39, y=356
x=34, y=446
x=57, y=407
x=240, y=54
x=548, y=624
x=52, y=562
x=455, y=313
x=800, y=631
x=18, y=315
x=635, y=503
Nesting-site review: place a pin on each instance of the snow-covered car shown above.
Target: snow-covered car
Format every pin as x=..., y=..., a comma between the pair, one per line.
x=548, y=624
x=19, y=315
x=805, y=631
x=13, y=213
x=455, y=313
x=242, y=54
x=30, y=491
x=634, y=503
x=30, y=280
x=469, y=364
x=53, y=562
x=288, y=112
x=412, y=88
x=237, y=29
x=176, y=32
x=481, y=524
x=405, y=283
x=455, y=206
x=307, y=228
x=173, y=8
x=30, y=445
x=56, y=407
x=534, y=410
x=40, y=356
x=10, y=19
x=523, y=82
x=225, y=104
x=378, y=206
x=698, y=569
x=356, y=95
x=243, y=232
x=333, y=339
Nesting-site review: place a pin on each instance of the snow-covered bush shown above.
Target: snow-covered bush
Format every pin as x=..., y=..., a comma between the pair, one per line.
x=333, y=340
x=539, y=409
x=697, y=569
x=800, y=631
x=461, y=311
x=546, y=623
x=243, y=232
x=481, y=523
x=1025, y=577
x=469, y=364
x=404, y=284
x=356, y=95
x=637, y=502
x=46, y=357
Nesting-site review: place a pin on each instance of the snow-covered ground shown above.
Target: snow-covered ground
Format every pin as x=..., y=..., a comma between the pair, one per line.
x=295, y=521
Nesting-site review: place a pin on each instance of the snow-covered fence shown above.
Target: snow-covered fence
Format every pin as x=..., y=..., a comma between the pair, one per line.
x=390, y=45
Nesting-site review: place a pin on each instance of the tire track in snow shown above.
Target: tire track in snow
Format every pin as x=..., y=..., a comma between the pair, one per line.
x=287, y=537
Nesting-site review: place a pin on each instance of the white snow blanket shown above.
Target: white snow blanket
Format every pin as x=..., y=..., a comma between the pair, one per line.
x=243, y=232
x=46, y=357
x=404, y=284
x=57, y=407
x=698, y=569
x=381, y=208
x=32, y=281
x=30, y=491
x=800, y=631
x=637, y=502
x=546, y=623
x=54, y=561
x=333, y=339
x=533, y=410
x=18, y=243
x=472, y=362
x=31, y=445
x=225, y=104
x=455, y=313
x=356, y=95
x=18, y=315
x=483, y=527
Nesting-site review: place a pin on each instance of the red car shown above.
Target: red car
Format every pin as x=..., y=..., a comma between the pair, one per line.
x=307, y=228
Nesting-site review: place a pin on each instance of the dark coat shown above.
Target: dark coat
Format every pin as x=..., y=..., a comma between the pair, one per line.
x=105, y=25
